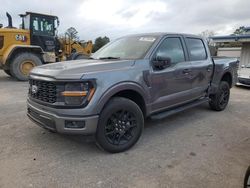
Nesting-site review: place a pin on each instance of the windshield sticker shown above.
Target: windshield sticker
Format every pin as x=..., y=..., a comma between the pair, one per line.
x=147, y=39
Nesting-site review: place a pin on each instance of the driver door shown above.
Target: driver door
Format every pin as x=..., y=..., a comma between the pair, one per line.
x=171, y=85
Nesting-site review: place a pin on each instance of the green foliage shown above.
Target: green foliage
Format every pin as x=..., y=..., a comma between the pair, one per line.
x=100, y=42
x=239, y=31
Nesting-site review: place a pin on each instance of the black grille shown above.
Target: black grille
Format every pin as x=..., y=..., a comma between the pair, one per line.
x=43, y=91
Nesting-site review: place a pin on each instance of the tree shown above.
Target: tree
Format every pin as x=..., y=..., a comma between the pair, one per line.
x=72, y=33
x=207, y=34
x=240, y=30
x=100, y=42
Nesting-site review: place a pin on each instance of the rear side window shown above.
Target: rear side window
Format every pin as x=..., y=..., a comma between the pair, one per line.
x=172, y=48
x=196, y=49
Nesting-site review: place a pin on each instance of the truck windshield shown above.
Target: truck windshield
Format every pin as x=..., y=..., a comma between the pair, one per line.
x=132, y=47
x=43, y=26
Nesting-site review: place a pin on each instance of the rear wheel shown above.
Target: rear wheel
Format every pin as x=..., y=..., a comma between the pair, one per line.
x=220, y=100
x=120, y=125
x=22, y=64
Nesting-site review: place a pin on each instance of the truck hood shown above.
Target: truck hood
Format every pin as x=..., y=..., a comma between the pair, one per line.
x=77, y=68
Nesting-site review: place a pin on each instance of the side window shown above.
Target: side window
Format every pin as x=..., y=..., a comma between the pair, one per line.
x=196, y=49
x=43, y=26
x=172, y=48
x=35, y=24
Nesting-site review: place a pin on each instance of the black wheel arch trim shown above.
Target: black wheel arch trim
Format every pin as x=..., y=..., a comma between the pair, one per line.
x=215, y=83
x=36, y=49
x=122, y=86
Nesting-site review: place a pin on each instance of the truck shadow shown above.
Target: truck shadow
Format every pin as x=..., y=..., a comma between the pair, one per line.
x=152, y=129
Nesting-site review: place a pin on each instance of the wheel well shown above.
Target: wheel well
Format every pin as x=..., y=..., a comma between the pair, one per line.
x=227, y=77
x=135, y=97
x=16, y=51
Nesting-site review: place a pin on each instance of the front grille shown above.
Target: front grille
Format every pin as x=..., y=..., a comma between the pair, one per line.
x=43, y=90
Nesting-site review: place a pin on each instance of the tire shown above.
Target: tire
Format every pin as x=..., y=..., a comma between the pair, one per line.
x=219, y=101
x=22, y=65
x=7, y=72
x=120, y=125
x=247, y=178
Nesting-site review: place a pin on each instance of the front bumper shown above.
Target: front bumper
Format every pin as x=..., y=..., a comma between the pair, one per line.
x=57, y=123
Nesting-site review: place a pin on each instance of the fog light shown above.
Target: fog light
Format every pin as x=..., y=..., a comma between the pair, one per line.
x=74, y=124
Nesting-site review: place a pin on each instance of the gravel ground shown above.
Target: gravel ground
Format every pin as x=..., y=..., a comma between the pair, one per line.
x=195, y=148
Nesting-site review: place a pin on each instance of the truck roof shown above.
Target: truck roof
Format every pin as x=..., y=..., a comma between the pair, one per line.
x=36, y=13
x=158, y=34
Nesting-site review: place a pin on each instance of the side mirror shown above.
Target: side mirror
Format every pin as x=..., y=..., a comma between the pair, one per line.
x=161, y=62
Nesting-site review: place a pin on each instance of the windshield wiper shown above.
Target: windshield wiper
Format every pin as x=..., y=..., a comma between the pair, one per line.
x=109, y=57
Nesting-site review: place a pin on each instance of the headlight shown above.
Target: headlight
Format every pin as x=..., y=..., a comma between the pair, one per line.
x=78, y=93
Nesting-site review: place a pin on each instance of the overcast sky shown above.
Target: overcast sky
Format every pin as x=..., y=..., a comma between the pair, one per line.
x=114, y=18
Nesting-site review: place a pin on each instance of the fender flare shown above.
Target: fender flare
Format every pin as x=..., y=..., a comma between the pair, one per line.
x=215, y=85
x=13, y=48
x=110, y=92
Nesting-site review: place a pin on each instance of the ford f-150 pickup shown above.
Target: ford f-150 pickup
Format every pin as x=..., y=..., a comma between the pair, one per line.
x=128, y=80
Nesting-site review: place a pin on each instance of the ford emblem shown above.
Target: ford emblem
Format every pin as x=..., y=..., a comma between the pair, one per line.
x=34, y=89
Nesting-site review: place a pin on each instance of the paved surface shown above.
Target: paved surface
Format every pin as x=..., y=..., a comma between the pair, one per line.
x=196, y=148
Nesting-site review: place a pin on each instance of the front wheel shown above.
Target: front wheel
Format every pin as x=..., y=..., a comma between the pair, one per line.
x=120, y=125
x=219, y=101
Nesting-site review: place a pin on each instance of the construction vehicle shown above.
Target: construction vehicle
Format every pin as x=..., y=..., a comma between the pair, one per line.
x=36, y=43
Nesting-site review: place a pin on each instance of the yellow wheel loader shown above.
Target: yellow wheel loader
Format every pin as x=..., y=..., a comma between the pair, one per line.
x=36, y=43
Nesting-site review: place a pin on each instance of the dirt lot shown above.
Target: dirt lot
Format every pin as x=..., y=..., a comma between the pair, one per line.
x=195, y=148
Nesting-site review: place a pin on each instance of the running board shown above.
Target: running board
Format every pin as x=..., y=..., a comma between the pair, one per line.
x=170, y=112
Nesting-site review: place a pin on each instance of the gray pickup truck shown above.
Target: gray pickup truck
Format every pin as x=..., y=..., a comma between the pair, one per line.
x=128, y=80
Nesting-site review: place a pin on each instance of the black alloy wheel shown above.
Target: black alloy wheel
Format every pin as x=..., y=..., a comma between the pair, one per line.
x=224, y=96
x=120, y=125
x=220, y=99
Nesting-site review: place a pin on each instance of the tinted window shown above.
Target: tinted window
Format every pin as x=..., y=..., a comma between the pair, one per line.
x=172, y=48
x=196, y=49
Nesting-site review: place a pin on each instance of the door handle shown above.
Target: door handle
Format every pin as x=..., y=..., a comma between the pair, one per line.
x=186, y=71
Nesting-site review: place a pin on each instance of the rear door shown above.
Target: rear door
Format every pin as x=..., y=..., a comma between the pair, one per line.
x=170, y=86
x=202, y=65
